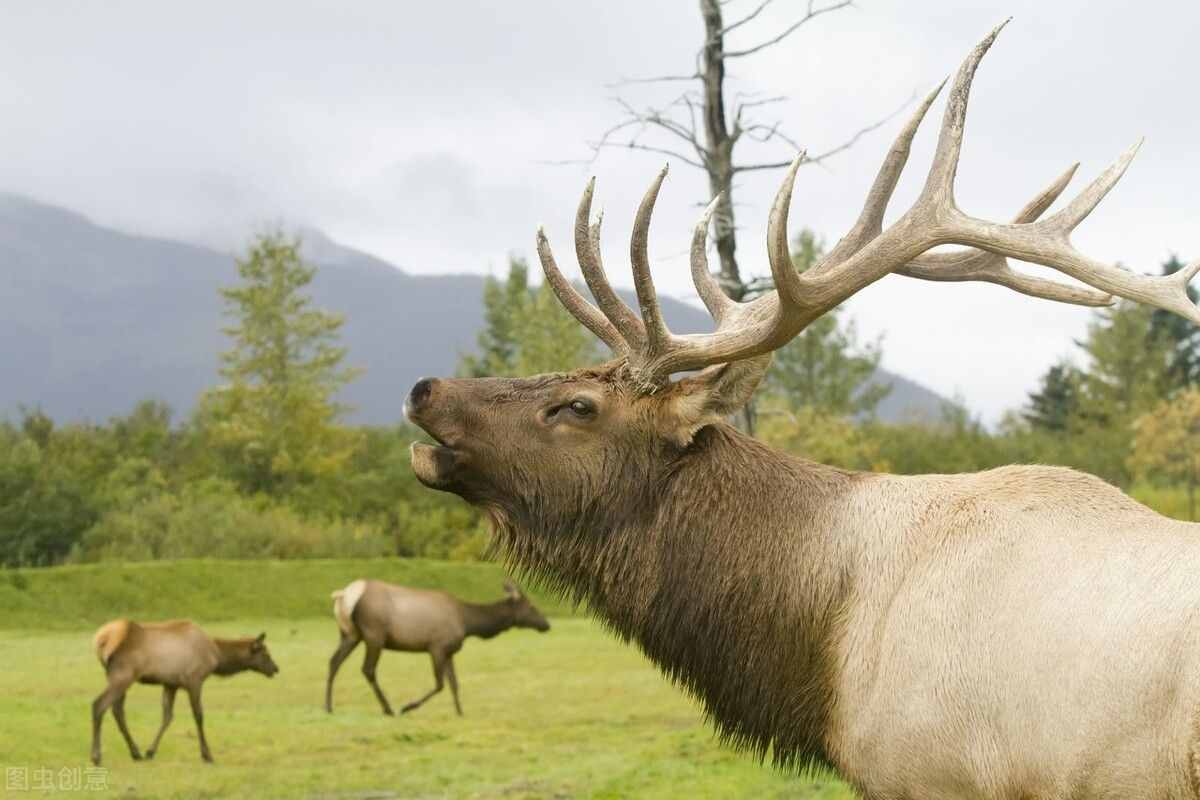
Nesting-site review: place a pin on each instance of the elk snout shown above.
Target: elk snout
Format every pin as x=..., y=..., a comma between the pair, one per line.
x=420, y=396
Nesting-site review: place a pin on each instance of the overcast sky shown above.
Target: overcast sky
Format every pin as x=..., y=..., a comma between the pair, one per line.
x=422, y=132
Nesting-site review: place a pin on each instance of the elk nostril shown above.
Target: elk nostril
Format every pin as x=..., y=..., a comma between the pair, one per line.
x=420, y=393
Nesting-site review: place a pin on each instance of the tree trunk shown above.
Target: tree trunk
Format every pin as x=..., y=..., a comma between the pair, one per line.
x=719, y=164
x=720, y=146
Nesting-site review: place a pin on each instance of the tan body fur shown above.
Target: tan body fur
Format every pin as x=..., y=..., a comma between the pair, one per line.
x=175, y=655
x=390, y=617
x=1027, y=632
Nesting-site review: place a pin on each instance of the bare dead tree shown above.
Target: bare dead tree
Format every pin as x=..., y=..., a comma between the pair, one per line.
x=702, y=128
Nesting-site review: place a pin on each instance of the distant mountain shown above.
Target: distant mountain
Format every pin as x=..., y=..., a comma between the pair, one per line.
x=93, y=320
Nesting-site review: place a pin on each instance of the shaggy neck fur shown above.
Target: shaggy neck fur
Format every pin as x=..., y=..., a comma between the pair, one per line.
x=486, y=621
x=722, y=569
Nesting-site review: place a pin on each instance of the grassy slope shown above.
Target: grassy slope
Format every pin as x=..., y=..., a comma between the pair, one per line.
x=572, y=713
x=74, y=597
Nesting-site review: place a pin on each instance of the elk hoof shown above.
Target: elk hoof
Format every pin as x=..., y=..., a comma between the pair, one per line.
x=135, y=755
x=208, y=759
x=150, y=755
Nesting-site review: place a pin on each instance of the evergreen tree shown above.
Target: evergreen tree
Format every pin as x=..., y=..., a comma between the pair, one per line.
x=1183, y=369
x=1055, y=403
x=275, y=421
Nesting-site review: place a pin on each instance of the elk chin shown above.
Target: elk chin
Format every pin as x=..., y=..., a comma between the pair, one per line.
x=434, y=465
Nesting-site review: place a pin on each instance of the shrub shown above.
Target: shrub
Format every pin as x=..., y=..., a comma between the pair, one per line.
x=210, y=519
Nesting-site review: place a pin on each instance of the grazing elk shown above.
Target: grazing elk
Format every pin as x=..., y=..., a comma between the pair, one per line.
x=1026, y=632
x=174, y=655
x=390, y=617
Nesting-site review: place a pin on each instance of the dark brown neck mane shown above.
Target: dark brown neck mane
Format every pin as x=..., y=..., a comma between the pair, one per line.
x=487, y=620
x=232, y=656
x=722, y=573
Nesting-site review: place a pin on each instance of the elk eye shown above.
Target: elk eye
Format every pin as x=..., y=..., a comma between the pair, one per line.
x=581, y=408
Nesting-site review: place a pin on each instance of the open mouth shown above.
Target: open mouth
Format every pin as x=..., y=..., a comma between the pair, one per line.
x=433, y=464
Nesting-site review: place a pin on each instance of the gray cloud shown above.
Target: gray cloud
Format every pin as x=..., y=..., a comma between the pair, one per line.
x=421, y=132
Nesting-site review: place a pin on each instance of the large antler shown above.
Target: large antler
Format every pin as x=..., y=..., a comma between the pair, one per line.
x=863, y=256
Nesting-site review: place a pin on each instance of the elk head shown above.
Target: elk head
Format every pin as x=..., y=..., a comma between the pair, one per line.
x=525, y=613
x=258, y=657
x=579, y=451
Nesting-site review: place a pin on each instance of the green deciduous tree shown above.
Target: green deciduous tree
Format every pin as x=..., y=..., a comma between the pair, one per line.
x=1166, y=445
x=275, y=420
x=526, y=330
x=1128, y=358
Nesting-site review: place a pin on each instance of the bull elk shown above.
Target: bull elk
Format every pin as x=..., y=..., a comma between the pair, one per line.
x=390, y=617
x=1023, y=632
x=174, y=655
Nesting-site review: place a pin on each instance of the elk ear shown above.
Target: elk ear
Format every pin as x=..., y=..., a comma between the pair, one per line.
x=511, y=590
x=713, y=394
x=262, y=637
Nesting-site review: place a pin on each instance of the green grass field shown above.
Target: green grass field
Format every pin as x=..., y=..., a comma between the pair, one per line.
x=570, y=713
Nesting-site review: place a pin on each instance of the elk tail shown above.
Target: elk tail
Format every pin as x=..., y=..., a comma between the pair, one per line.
x=109, y=638
x=344, y=601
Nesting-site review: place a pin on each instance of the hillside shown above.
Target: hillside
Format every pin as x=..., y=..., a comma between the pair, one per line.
x=85, y=595
x=94, y=320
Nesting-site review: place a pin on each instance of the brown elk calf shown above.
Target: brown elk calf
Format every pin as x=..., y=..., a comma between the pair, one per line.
x=389, y=617
x=175, y=655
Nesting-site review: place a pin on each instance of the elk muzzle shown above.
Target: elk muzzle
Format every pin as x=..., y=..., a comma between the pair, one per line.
x=428, y=407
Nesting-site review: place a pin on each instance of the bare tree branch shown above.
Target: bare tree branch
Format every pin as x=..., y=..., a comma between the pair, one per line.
x=735, y=25
x=817, y=159
x=621, y=82
x=657, y=118
x=789, y=30
x=635, y=145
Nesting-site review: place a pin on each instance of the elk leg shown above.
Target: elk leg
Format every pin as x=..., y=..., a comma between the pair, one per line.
x=118, y=709
x=198, y=715
x=368, y=671
x=168, y=709
x=439, y=667
x=116, y=687
x=345, y=648
x=452, y=679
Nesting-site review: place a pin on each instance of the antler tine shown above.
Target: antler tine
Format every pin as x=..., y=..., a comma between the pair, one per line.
x=587, y=250
x=787, y=280
x=870, y=219
x=1086, y=201
x=953, y=265
x=1045, y=198
x=938, y=193
x=657, y=334
x=575, y=303
x=980, y=265
x=715, y=300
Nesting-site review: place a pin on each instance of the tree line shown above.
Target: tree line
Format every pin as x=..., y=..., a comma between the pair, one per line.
x=266, y=466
